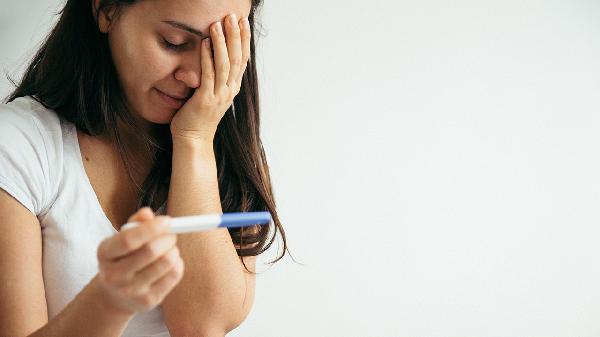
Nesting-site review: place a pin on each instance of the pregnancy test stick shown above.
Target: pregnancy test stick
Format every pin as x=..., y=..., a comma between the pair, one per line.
x=197, y=223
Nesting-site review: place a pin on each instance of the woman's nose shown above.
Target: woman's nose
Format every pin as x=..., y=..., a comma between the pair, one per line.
x=189, y=72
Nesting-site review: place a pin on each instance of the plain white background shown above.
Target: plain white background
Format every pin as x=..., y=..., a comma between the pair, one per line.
x=436, y=164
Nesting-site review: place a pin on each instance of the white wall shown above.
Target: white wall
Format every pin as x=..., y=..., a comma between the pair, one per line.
x=436, y=165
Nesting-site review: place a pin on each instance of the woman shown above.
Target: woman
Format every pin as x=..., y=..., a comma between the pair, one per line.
x=130, y=104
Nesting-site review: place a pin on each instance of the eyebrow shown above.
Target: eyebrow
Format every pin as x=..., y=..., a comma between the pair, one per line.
x=185, y=27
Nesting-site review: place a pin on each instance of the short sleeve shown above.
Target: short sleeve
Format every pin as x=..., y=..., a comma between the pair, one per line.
x=25, y=172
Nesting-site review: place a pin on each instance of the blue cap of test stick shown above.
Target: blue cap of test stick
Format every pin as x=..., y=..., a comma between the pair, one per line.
x=241, y=219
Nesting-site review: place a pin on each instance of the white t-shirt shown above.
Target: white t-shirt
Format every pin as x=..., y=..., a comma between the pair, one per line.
x=41, y=167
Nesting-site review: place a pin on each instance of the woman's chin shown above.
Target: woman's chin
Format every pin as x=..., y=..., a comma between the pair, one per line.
x=162, y=116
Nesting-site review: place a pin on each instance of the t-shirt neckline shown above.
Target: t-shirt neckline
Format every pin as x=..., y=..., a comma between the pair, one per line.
x=88, y=183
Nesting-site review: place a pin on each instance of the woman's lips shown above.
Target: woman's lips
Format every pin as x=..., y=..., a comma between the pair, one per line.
x=170, y=101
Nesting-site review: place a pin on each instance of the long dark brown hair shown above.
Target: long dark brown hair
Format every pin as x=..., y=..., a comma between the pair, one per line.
x=73, y=74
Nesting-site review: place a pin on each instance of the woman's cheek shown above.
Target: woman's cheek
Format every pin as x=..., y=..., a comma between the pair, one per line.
x=160, y=62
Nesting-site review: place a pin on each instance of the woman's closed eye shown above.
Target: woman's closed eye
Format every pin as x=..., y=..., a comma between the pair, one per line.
x=173, y=46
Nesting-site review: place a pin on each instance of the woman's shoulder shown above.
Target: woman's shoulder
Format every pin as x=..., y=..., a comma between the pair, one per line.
x=25, y=120
x=28, y=112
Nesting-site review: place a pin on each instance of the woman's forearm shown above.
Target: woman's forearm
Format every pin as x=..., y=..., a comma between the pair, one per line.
x=194, y=187
x=88, y=314
x=212, y=291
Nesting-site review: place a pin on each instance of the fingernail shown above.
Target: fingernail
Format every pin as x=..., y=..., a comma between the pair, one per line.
x=246, y=23
x=233, y=20
x=219, y=29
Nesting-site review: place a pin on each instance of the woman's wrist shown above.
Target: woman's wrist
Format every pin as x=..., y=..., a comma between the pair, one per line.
x=193, y=138
x=193, y=147
x=89, y=314
x=105, y=304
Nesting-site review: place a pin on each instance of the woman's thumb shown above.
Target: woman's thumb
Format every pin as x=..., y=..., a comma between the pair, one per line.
x=144, y=213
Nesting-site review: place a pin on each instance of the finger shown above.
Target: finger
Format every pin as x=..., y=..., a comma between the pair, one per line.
x=234, y=49
x=129, y=240
x=208, y=70
x=245, y=36
x=146, y=255
x=221, y=59
x=165, y=284
x=144, y=213
x=156, y=270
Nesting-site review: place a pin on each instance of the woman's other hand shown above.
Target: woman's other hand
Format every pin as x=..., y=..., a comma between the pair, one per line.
x=220, y=80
